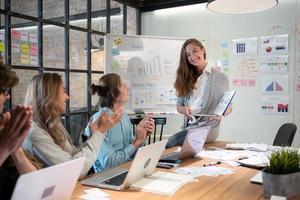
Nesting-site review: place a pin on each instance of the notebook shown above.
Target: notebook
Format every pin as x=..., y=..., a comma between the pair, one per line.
x=162, y=183
x=51, y=183
x=119, y=178
x=222, y=106
x=257, y=178
x=193, y=144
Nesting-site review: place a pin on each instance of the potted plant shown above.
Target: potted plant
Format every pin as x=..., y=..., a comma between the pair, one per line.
x=282, y=174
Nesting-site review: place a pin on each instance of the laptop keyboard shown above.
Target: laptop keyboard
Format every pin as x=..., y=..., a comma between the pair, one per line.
x=117, y=180
x=171, y=156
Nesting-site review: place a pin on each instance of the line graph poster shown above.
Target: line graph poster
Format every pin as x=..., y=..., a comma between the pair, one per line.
x=275, y=84
x=274, y=64
x=275, y=105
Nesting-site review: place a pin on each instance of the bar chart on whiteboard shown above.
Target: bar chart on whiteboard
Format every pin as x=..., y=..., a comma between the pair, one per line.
x=148, y=65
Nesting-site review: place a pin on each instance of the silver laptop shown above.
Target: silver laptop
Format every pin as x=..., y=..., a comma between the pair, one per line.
x=119, y=178
x=193, y=144
x=52, y=183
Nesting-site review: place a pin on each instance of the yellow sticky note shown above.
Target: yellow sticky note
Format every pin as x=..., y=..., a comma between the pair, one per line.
x=2, y=47
x=24, y=59
x=118, y=41
x=24, y=48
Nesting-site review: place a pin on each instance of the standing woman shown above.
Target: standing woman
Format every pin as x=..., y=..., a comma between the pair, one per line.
x=48, y=140
x=119, y=144
x=199, y=89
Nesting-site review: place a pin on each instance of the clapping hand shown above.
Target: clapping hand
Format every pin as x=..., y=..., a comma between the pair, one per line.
x=143, y=130
x=15, y=127
x=105, y=121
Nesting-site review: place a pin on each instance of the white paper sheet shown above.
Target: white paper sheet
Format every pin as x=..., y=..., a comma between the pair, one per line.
x=204, y=171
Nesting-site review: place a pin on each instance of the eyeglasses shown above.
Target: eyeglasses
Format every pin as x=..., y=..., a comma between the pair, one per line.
x=4, y=91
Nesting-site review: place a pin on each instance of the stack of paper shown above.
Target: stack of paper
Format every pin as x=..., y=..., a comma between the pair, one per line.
x=95, y=194
x=225, y=154
x=252, y=146
x=204, y=171
x=259, y=161
x=162, y=183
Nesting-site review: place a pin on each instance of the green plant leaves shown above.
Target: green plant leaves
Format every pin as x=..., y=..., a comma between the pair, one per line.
x=284, y=161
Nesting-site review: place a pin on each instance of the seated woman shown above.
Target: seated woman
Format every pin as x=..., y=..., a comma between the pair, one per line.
x=48, y=140
x=119, y=143
x=14, y=127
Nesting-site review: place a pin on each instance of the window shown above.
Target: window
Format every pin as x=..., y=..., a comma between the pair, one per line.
x=60, y=36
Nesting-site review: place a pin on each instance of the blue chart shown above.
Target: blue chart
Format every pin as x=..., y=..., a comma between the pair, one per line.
x=274, y=86
x=240, y=48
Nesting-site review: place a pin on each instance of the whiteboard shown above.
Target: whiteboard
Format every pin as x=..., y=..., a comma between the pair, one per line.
x=148, y=65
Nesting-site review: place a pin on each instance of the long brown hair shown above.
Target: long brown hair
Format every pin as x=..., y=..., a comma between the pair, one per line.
x=187, y=73
x=41, y=95
x=108, y=89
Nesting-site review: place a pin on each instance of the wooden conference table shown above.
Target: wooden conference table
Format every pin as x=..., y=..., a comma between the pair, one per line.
x=233, y=186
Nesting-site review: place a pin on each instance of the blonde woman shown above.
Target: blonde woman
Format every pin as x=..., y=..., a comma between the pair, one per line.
x=48, y=140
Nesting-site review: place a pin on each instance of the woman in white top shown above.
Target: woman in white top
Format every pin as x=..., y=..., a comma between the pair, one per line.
x=199, y=89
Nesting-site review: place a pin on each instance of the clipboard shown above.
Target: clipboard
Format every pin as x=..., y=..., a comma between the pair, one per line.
x=222, y=106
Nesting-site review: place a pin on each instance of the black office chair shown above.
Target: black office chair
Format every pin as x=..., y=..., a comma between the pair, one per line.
x=158, y=122
x=285, y=135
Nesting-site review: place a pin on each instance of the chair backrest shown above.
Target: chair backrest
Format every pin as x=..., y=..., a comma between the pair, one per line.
x=159, y=122
x=285, y=135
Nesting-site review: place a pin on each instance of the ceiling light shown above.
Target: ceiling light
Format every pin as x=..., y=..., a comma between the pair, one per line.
x=240, y=6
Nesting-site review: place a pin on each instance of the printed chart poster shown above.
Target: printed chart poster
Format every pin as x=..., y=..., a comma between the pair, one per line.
x=278, y=44
x=245, y=73
x=165, y=95
x=297, y=62
x=275, y=105
x=246, y=46
x=275, y=84
x=276, y=64
x=143, y=98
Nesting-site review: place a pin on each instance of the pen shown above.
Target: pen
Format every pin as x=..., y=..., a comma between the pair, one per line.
x=211, y=164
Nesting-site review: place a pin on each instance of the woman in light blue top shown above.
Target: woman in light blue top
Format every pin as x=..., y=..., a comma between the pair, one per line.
x=199, y=89
x=119, y=144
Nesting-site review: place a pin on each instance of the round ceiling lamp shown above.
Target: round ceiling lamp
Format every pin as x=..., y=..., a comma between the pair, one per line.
x=240, y=6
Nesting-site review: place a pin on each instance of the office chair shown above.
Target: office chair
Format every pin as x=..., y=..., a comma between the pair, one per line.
x=158, y=122
x=285, y=135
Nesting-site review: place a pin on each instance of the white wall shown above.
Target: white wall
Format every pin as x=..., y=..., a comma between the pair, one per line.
x=246, y=123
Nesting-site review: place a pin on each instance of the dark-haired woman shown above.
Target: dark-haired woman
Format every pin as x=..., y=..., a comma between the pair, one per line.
x=119, y=143
x=14, y=127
